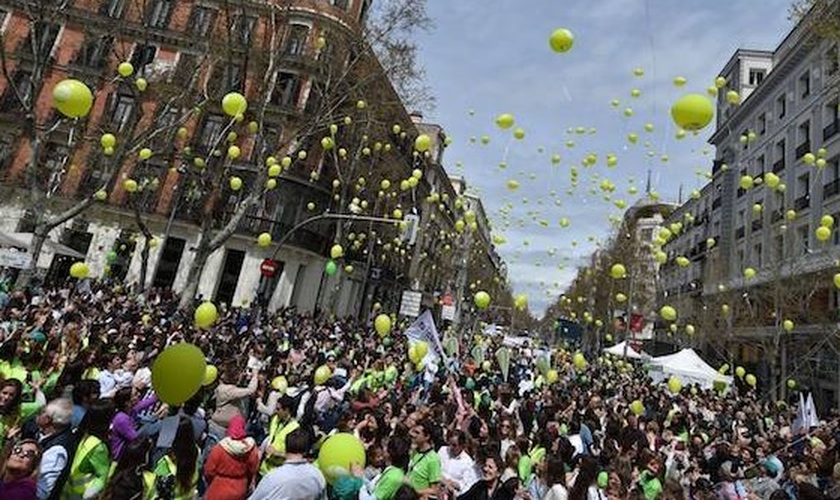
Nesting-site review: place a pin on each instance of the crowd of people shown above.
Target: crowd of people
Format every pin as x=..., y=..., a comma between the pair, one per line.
x=80, y=419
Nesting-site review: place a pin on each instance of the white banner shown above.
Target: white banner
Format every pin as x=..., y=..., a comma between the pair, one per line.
x=410, y=304
x=424, y=330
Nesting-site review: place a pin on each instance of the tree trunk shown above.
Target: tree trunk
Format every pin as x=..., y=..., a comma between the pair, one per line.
x=193, y=276
x=39, y=237
x=144, y=254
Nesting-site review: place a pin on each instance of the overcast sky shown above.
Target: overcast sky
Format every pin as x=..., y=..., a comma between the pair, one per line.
x=487, y=57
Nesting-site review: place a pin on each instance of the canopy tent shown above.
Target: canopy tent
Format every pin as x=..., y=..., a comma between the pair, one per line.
x=689, y=367
x=625, y=350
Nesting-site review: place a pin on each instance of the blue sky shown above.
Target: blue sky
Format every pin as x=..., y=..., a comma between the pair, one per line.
x=486, y=57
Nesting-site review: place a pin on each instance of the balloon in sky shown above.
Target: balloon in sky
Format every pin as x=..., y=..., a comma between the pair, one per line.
x=692, y=111
x=234, y=103
x=618, y=271
x=482, y=300
x=422, y=143
x=72, y=98
x=505, y=121
x=561, y=40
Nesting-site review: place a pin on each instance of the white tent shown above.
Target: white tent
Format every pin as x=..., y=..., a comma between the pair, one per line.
x=623, y=350
x=689, y=367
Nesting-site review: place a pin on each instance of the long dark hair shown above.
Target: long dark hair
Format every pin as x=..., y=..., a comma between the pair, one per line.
x=587, y=473
x=185, y=454
x=97, y=419
x=399, y=451
x=127, y=479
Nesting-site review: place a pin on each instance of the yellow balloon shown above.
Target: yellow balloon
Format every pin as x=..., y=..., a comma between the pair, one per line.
x=618, y=271
x=280, y=384
x=72, y=98
x=552, y=376
x=674, y=384
x=505, y=121
x=264, y=239
x=336, y=252
x=750, y=380
x=79, y=270
x=205, y=315
x=211, y=373
x=637, y=407
x=178, y=372
x=234, y=104
x=322, y=375
x=740, y=371
x=692, y=111
x=561, y=40
x=338, y=454
x=422, y=143
x=668, y=313
x=382, y=324
x=482, y=300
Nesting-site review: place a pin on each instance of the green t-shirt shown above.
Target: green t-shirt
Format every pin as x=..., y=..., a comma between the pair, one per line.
x=388, y=484
x=424, y=469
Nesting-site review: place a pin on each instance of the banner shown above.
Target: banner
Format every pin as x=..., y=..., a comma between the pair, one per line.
x=423, y=330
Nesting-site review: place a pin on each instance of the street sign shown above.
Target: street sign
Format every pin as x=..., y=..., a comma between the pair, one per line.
x=268, y=268
x=14, y=258
x=410, y=305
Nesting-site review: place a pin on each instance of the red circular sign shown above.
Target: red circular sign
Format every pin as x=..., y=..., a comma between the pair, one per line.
x=268, y=268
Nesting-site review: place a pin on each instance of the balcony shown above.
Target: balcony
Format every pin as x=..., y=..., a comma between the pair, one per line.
x=779, y=165
x=802, y=202
x=803, y=148
x=757, y=225
x=831, y=189
x=831, y=129
x=739, y=233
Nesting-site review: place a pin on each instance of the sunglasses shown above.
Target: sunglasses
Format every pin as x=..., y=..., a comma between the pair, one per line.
x=24, y=453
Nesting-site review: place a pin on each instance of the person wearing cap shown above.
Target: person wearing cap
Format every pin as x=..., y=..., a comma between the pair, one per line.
x=764, y=485
x=232, y=465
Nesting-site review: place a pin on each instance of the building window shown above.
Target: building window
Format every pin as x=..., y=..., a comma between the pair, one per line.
x=3, y=15
x=781, y=106
x=112, y=8
x=201, y=20
x=122, y=109
x=22, y=81
x=287, y=90
x=762, y=124
x=779, y=157
x=802, y=235
x=759, y=165
x=341, y=4
x=803, y=133
x=94, y=53
x=158, y=13
x=45, y=35
x=757, y=255
x=227, y=77
x=757, y=76
x=243, y=29
x=52, y=167
x=296, y=42
x=831, y=118
x=211, y=132
x=143, y=55
x=832, y=61
x=805, y=84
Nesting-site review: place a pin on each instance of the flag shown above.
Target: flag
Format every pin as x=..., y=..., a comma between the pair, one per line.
x=423, y=330
x=811, y=418
x=800, y=423
x=503, y=356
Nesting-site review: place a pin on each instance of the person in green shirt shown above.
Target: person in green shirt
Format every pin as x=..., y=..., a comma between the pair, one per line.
x=424, y=467
x=385, y=486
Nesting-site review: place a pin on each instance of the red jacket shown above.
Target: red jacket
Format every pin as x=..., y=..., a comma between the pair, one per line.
x=231, y=468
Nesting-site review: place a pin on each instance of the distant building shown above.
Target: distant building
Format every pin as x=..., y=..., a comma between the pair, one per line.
x=755, y=258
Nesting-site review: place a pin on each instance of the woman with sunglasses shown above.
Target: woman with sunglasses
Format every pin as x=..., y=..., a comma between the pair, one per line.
x=17, y=479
